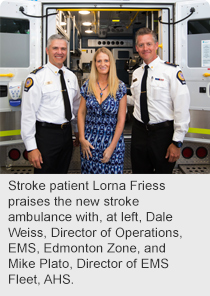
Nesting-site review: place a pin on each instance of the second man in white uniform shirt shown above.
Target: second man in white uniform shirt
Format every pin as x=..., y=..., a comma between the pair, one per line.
x=155, y=146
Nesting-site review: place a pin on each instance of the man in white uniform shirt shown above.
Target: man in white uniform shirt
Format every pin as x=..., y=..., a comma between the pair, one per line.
x=45, y=130
x=155, y=145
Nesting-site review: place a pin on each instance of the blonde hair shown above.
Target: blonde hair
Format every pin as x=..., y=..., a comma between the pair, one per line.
x=113, y=81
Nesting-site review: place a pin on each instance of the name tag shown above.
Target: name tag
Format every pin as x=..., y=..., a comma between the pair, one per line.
x=159, y=79
x=48, y=82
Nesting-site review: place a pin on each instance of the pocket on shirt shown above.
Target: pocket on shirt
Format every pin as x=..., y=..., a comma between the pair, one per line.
x=50, y=88
x=72, y=89
x=135, y=84
x=51, y=94
x=160, y=90
x=71, y=85
x=135, y=89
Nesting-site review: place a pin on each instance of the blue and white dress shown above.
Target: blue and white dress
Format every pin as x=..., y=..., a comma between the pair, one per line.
x=100, y=124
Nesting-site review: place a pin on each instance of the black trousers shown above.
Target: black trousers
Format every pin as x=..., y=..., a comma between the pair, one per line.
x=56, y=147
x=148, y=149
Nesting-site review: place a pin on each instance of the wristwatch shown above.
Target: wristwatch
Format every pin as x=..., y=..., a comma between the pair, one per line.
x=177, y=144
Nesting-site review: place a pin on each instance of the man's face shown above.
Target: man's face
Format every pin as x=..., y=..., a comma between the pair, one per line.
x=146, y=48
x=57, y=52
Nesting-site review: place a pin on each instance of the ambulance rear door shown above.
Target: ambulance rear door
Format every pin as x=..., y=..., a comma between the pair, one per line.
x=192, y=51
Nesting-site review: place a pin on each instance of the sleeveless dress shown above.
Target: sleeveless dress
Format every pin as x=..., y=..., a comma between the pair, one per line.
x=100, y=124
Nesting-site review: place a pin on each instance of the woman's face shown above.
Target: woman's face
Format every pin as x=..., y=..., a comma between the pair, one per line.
x=102, y=63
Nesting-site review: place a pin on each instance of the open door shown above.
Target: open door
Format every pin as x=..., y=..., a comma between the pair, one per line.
x=193, y=55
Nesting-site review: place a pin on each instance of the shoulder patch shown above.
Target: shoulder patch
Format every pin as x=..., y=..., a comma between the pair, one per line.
x=180, y=77
x=171, y=64
x=36, y=70
x=28, y=84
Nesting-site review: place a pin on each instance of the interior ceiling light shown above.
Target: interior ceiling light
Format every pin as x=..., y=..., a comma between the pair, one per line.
x=86, y=23
x=115, y=20
x=89, y=31
x=84, y=12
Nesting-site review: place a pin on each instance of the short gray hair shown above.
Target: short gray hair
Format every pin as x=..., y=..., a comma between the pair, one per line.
x=146, y=31
x=54, y=37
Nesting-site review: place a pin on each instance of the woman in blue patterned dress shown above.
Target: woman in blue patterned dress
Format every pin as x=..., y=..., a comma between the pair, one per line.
x=101, y=117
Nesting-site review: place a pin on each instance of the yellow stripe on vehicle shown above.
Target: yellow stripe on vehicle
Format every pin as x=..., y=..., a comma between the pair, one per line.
x=191, y=130
x=202, y=131
x=9, y=133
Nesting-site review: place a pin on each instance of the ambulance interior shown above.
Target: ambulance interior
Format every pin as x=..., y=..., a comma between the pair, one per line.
x=89, y=30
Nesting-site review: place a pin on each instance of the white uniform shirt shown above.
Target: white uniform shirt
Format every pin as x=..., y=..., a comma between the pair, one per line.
x=168, y=96
x=42, y=100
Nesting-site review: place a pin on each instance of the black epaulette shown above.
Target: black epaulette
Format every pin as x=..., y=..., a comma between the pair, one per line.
x=36, y=70
x=171, y=64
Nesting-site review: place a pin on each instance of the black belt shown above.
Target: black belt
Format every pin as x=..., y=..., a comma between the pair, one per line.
x=154, y=127
x=53, y=125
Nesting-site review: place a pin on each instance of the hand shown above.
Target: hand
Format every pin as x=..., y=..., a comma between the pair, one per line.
x=173, y=153
x=35, y=158
x=85, y=147
x=107, y=155
x=76, y=141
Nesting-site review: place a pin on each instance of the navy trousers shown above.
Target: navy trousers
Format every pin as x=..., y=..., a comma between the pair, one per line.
x=56, y=147
x=148, y=149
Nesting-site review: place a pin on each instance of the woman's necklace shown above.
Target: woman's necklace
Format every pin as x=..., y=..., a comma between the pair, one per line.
x=101, y=93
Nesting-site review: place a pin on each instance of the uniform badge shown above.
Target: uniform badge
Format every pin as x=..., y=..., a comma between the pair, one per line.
x=28, y=84
x=171, y=64
x=180, y=77
x=36, y=70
